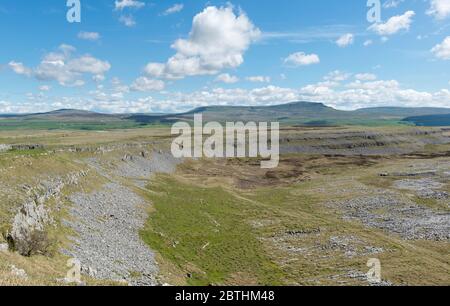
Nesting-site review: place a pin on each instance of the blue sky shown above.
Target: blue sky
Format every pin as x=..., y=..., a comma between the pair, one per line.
x=169, y=56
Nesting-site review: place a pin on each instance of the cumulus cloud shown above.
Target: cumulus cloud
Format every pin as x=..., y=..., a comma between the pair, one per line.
x=365, y=77
x=345, y=40
x=351, y=95
x=302, y=59
x=394, y=24
x=439, y=9
x=88, y=64
x=442, y=50
x=344, y=95
x=176, y=8
x=20, y=68
x=62, y=67
x=123, y=4
x=217, y=41
x=368, y=43
x=360, y=94
x=258, y=79
x=44, y=88
x=227, y=78
x=127, y=20
x=337, y=76
x=146, y=84
x=92, y=36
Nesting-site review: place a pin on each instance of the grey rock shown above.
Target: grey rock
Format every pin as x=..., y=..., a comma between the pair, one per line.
x=19, y=273
x=108, y=244
x=397, y=215
x=5, y=147
x=4, y=247
x=28, y=230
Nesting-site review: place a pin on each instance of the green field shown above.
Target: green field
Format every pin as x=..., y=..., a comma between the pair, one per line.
x=17, y=124
x=205, y=231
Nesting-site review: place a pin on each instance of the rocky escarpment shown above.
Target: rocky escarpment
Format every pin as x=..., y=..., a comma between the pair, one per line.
x=28, y=233
x=107, y=221
x=107, y=244
x=4, y=147
x=362, y=143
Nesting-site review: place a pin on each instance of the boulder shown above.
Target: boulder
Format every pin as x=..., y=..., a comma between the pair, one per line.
x=4, y=247
x=28, y=236
x=19, y=273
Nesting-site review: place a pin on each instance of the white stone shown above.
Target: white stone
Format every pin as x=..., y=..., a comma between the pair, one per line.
x=20, y=273
x=4, y=247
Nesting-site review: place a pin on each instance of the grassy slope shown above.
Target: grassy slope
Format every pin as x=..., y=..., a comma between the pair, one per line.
x=246, y=230
x=19, y=168
x=204, y=231
x=239, y=224
x=17, y=124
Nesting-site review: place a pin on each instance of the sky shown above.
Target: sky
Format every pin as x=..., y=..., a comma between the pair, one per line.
x=164, y=56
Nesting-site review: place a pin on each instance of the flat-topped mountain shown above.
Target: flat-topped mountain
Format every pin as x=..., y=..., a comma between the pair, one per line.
x=300, y=113
x=296, y=113
x=62, y=114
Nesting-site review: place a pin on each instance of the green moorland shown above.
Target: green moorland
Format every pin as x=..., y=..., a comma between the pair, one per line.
x=229, y=222
x=15, y=124
x=306, y=114
x=209, y=229
x=206, y=229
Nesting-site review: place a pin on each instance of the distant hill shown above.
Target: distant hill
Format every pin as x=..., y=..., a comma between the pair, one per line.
x=401, y=112
x=64, y=114
x=299, y=113
x=293, y=114
x=65, y=119
x=430, y=120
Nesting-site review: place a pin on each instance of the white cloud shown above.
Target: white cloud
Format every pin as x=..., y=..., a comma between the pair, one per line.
x=316, y=89
x=368, y=43
x=337, y=76
x=92, y=36
x=439, y=9
x=217, y=41
x=373, y=85
x=127, y=20
x=122, y=4
x=176, y=8
x=365, y=77
x=442, y=50
x=352, y=95
x=237, y=96
x=20, y=68
x=98, y=78
x=302, y=59
x=360, y=94
x=44, y=88
x=394, y=24
x=259, y=79
x=63, y=68
x=227, y=78
x=88, y=64
x=146, y=84
x=117, y=86
x=345, y=40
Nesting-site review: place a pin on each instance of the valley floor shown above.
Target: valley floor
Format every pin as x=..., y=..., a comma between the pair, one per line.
x=132, y=214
